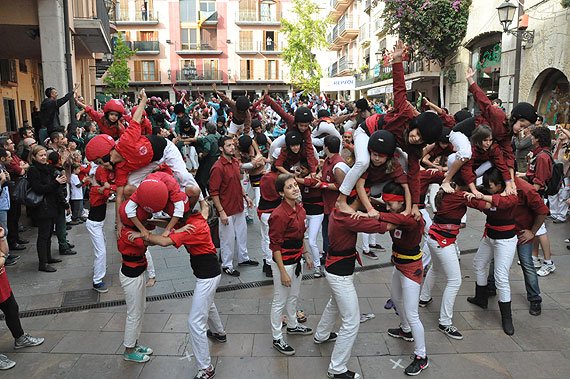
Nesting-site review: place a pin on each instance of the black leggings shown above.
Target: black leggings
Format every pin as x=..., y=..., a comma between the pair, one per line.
x=12, y=316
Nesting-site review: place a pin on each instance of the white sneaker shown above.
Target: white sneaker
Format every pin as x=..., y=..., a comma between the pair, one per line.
x=567, y=240
x=546, y=269
x=537, y=263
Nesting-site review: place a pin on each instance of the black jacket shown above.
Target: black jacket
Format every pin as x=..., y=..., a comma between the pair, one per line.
x=49, y=113
x=41, y=180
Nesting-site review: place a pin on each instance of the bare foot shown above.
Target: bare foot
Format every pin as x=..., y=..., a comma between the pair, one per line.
x=151, y=282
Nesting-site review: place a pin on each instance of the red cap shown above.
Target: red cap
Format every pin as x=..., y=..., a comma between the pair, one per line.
x=152, y=195
x=99, y=146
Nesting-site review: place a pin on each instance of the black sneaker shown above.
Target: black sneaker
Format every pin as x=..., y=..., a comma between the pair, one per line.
x=535, y=308
x=249, y=262
x=345, y=375
x=301, y=330
x=425, y=303
x=230, y=271
x=417, y=366
x=332, y=337
x=217, y=336
x=283, y=347
x=451, y=331
x=68, y=252
x=399, y=333
x=11, y=260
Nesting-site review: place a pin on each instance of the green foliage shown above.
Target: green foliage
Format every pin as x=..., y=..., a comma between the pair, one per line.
x=305, y=34
x=118, y=74
x=565, y=3
x=433, y=28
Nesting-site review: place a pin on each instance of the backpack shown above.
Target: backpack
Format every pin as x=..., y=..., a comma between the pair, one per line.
x=553, y=185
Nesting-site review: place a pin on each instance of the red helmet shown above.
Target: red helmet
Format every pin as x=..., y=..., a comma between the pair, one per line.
x=99, y=146
x=114, y=105
x=152, y=195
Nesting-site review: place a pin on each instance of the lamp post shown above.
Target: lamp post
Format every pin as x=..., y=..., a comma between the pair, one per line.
x=506, y=15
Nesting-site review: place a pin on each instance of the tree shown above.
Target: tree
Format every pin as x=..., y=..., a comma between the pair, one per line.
x=305, y=34
x=433, y=29
x=118, y=74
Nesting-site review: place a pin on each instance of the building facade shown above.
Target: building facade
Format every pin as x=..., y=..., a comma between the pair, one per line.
x=193, y=44
x=33, y=54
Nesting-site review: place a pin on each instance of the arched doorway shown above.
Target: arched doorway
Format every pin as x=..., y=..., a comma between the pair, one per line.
x=551, y=97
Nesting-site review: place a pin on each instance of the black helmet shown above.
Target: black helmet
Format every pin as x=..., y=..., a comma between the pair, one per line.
x=244, y=142
x=466, y=126
x=382, y=142
x=323, y=113
x=178, y=108
x=429, y=125
x=524, y=110
x=303, y=115
x=242, y=103
x=444, y=137
x=293, y=138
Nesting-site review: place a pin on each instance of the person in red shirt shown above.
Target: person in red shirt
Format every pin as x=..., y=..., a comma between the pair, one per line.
x=102, y=187
x=111, y=121
x=134, y=156
x=332, y=174
x=195, y=237
x=132, y=279
x=485, y=154
x=295, y=150
x=225, y=189
x=339, y=266
x=286, y=240
x=411, y=129
x=539, y=172
x=269, y=200
x=408, y=273
x=499, y=243
x=9, y=306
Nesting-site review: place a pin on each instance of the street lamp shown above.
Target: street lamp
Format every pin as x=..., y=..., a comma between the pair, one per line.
x=506, y=15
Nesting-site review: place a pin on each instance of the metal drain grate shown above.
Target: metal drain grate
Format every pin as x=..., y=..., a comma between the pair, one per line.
x=169, y=296
x=81, y=297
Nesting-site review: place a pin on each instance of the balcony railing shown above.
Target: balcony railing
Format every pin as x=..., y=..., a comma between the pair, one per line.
x=146, y=76
x=333, y=69
x=333, y=35
x=150, y=16
x=200, y=75
x=343, y=64
x=204, y=46
x=379, y=25
x=250, y=47
x=260, y=75
x=367, y=5
x=254, y=17
x=146, y=46
x=346, y=23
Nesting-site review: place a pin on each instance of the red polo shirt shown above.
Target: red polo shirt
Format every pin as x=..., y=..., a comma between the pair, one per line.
x=329, y=196
x=199, y=245
x=529, y=206
x=225, y=182
x=539, y=170
x=286, y=223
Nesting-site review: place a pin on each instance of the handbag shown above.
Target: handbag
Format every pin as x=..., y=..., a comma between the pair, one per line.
x=24, y=194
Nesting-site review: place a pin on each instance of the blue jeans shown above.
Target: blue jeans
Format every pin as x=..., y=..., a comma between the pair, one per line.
x=529, y=272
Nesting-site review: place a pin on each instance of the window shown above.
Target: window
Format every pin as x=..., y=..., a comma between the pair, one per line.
x=189, y=38
x=145, y=71
x=188, y=11
x=246, y=40
x=8, y=71
x=271, y=70
x=148, y=36
x=269, y=41
x=247, y=10
x=210, y=69
x=187, y=63
x=207, y=6
x=246, y=69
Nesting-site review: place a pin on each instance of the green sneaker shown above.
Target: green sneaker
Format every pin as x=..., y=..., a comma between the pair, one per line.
x=143, y=350
x=135, y=356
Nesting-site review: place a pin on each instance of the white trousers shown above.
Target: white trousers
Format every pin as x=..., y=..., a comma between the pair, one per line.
x=502, y=251
x=314, y=224
x=191, y=156
x=97, y=235
x=426, y=256
x=150, y=265
x=361, y=161
x=284, y=299
x=135, y=297
x=405, y=294
x=343, y=301
x=173, y=159
x=203, y=315
x=558, y=205
x=231, y=235
x=446, y=261
x=264, y=231
x=363, y=243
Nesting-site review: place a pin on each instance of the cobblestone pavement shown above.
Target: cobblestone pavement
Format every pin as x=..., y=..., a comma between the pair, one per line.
x=88, y=344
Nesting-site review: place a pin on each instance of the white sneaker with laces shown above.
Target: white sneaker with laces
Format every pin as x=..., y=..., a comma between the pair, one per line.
x=546, y=269
x=536, y=263
x=5, y=363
